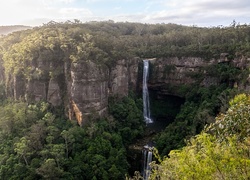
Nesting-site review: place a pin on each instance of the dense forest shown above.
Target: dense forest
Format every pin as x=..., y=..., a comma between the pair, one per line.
x=220, y=151
x=40, y=142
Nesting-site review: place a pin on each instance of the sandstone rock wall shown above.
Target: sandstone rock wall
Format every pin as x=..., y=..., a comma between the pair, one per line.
x=123, y=76
x=175, y=70
x=89, y=89
x=83, y=87
x=119, y=78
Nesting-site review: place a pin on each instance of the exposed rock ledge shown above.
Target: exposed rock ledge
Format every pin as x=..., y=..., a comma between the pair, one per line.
x=83, y=87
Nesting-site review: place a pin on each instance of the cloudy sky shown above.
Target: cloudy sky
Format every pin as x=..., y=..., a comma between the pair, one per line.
x=187, y=12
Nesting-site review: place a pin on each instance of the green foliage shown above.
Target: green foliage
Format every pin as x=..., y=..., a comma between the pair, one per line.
x=165, y=106
x=224, y=154
x=49, y=170
x=200, y=108
x=224, y=71
x=106, y=42
x=129, y=116
x=37, y=143
x=2, y=92
x=168, y=69
x=235, y=122
x=205, y=158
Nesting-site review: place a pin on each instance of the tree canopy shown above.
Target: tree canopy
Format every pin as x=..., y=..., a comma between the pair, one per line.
x=106, y=42
x=38, y=142
x=221, y=151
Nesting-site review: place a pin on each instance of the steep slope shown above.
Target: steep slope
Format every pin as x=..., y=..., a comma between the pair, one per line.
x=78, y=66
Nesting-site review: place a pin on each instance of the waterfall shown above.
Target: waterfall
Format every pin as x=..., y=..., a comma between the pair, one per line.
x=147, y=150
x=146, y=105
x=147, y=159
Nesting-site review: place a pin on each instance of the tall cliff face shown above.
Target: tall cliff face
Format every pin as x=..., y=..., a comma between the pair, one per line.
x=166, y=72
x=89, y=89
x=124, y=76
x=92, y=84
x=83, y=87
x=175, y=70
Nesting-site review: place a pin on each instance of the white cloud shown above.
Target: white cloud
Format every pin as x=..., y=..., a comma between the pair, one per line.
x=196, y=12
x=66, y=1
x=201, y=12
x=75, y=12
x=26, y=11
x=55, y=2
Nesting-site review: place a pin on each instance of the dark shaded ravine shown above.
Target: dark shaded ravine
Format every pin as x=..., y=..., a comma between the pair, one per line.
x=164, y=109
x=135, y=157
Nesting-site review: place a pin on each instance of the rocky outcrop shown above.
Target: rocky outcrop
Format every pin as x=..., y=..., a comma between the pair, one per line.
x=89, y=89
x=54, y=95
x=167, y=73
x=176, y=71
x=243, y=63
x=123, y=76
x=119, y=78
x=83, y=87
x=93, y=83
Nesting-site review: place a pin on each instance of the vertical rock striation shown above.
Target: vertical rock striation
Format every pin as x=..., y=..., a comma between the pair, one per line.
x=83, y=87
x=89, y=89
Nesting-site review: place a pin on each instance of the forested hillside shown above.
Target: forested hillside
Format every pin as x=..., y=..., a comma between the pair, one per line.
x=37, y=142
x=40, y=141
x=4, y=30
x=220, y=151
x=109, y=41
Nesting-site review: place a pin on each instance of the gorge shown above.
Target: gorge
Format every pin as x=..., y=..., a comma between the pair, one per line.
x=84, y=87
x=72, y=95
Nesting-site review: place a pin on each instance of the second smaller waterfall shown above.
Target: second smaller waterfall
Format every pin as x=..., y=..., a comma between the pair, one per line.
x=147, y=159
x=146, y=105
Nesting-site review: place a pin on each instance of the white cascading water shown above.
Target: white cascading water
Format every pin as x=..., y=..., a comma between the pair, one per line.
x=147, y=150
x=146, y=105
x=147, y=159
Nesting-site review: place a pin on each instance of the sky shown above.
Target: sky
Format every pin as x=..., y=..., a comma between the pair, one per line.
x=204, y=13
